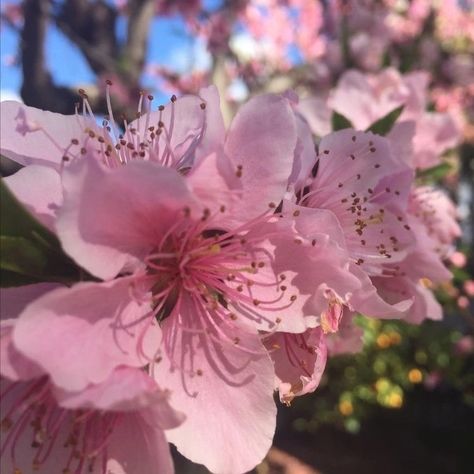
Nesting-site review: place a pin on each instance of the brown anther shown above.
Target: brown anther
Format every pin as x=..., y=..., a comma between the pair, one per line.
x=372, y=149
x=296, y=213
x=161, y=108
x=272, y=205
x=343, y=200
x=160, y=124
x=358, y=176
x=150, y=97
x=6, y=424
x=243, y=241
x=199, y=372
x=352, y=157
x=83, y=151
x=283, y=288
x=397, y=193
x=75, y=141
x=202, y=105
x=261, y=264
x=370, y=191
x=377, y=166
x=293, y=298
x=298, y=241
x=387, y=190
x=283, y=277
x=232, y=316
x=100, y=139
x=240, y=288
x=222, y=209
x=108, y=82
x=278, y=320
x=363, y=242
x=326, y=152
x=236, y=340
x=339, y=185
x=256, y=302
x=360, y=261
x=353, y=138
x=173, y=98
x=407, y=227
x=313, y=242
x=65, y=158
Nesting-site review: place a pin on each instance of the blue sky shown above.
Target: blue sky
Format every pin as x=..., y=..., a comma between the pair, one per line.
x=169, y=44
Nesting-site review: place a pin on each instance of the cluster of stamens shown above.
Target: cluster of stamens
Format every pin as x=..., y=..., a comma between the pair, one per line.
x=34, y=414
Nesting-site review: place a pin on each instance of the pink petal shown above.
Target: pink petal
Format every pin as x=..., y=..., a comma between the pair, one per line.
x=33, y=136
x=299, y=361
x=136, y=446
x=435, y=133
x=225, y=390
x=38, y=188
x=214, y=134
x=262, y=137
x=110, y=217
x=72, y=321
x=318, y=115
x=14, y=300
x=13, y=365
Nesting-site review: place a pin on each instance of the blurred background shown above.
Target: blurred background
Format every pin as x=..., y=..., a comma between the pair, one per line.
x=405, y=402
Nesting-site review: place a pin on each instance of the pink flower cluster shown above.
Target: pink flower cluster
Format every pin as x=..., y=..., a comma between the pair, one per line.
x=225, y=262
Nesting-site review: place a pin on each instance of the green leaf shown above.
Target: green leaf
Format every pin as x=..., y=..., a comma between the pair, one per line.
x=339, y=122
x=435, y=173
x=385, y=124
x=29, y=251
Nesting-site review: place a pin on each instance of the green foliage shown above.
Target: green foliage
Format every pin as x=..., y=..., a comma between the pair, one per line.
x=30, y=253
x=339, y=122
x=436, y=173
x=397, y=359
x=385, y=124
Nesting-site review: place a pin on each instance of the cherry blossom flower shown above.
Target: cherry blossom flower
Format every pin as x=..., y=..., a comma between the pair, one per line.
x=194, y=274
x=113, y=427
x=418, y=137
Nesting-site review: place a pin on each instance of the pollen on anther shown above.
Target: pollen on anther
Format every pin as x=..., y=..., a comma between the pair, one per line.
x=199, y=372
x=202, y=105
x=293, y=298
x=296, y=213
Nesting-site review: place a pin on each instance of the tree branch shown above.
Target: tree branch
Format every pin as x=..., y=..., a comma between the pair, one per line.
x=134, y=53
x=91, y=26
x=38, y=88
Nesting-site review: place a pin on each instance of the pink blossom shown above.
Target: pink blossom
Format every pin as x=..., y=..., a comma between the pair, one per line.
x=439, y=216
x=365, y=98
x=212, y=266
x=113, y=427
x=458, y=259
x=463, y=302
x=349, y=182
x=469, y=287
x=465, y=345
x=299, y=361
